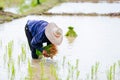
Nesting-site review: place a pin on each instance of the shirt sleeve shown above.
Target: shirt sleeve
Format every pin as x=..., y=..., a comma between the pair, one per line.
x=37, y=41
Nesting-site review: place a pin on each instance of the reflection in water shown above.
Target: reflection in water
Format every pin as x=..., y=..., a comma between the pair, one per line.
x=70, y=39
x=42, y=69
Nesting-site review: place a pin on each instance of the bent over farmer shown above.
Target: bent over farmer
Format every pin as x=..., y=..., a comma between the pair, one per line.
x=39, y=32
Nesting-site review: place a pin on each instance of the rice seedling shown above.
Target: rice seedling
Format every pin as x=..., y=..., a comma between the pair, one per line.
x=54, y=71
x=10, y=49
x=12, y=72
x=114, y=70
x=68, y=77
x=77, y=74
x=42, y=70
x=94, y=71
x=23, y=54
x=111, y=72
x=118, y=63
x=8, y=66
x=63, y=63
x=30, y=71
x=70, y=71
x=77, y=63
x=51, y=69
x=18, y=60
x=73, y=72
x=71, y=32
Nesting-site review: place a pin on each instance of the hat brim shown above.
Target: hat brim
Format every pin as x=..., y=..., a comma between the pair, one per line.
x=51, y=37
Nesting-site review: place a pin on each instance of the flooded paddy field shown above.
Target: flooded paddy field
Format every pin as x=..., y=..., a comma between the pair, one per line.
x=86, y=7
x=93, y=55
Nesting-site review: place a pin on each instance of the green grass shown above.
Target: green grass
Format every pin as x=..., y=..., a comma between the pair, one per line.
x=8, y=3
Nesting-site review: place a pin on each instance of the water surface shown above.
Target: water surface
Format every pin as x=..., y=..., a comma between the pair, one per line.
x=100, y=8
x=98, y=40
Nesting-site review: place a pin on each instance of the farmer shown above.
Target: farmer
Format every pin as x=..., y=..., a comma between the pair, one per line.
x=39, y=32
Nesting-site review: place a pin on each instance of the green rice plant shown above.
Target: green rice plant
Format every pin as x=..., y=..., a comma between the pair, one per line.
x=69, y=71
x=77, y=71
x=114, y=70
x=11, y=69
x=30, y=71
x=54, y=71
x=68, y=77
x=111, y=72
x=8, y=66
x=94, y=71
x=12, y=72
x=118, y=63
x=96, y=67
x=18, y=60
x=63, y=63
x=77, y=74
x=77, y=63
x=71, y=32
x=42, y=70
x=73, y=72
x=23, y=54
x=10, y=49
x=47, y=48
x=51, y=68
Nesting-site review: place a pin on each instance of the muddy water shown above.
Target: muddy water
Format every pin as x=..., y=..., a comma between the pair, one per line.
x=98, y=40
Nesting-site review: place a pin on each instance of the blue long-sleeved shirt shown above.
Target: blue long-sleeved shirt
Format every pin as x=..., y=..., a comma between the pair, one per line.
x=37, y=29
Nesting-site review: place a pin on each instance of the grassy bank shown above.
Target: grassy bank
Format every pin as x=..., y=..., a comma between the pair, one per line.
x=7, y=16
x=36, y=10
x=39, y=9
x=33, y=9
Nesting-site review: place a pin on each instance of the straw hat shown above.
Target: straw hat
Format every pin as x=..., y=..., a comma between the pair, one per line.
x=54, y=33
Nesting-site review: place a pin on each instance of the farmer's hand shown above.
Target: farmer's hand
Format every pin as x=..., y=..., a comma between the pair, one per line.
x=45, y=53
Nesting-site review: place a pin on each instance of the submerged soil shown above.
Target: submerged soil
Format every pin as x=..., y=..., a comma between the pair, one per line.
x=42, y=72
